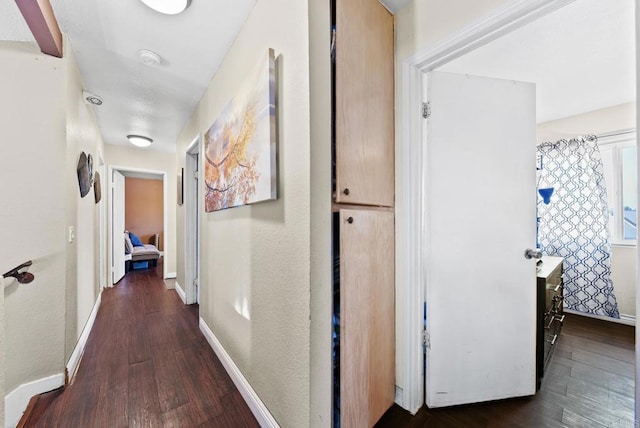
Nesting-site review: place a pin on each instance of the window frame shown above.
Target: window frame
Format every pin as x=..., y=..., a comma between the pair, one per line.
x=617, y=141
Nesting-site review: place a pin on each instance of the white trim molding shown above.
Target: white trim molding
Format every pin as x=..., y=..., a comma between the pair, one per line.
x=16, y=402
x=504, y=19
x=624, y=319
x=192, y=220
x=76, y=355
x=170, y=275
x=259, y=410
x=180, y=292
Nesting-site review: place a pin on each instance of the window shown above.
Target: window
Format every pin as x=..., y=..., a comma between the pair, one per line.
x=620, y=173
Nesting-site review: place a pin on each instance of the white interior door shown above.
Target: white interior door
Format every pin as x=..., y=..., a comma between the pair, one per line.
x=480, y=218
x=117, y=229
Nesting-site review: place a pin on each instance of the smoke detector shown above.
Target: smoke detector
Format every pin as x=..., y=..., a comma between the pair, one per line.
x=90, y=98
x=149, y=58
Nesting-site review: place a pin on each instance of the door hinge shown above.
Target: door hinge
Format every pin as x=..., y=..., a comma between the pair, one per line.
x=426, y=109
x=426, y=339
x=195, y=282
x=195, y=174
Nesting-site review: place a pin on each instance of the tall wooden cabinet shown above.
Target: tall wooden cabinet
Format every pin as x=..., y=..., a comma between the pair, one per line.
x=364, y=118
x=363, y=194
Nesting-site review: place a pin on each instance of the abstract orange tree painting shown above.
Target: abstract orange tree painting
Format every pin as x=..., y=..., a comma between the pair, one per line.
x=240, y=146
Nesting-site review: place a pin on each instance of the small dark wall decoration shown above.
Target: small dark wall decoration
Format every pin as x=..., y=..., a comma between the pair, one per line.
x=84, y=177
x=181, y=187
x=97, y=189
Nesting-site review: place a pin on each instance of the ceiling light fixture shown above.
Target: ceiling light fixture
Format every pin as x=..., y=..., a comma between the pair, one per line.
x=139, y=140
x=168, y=7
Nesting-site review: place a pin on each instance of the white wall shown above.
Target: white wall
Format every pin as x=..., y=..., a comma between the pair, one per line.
x=259, y=255
x=136, y=158
x=611, y=119
x=33, y=167
x=45, y=127
x=82, y=262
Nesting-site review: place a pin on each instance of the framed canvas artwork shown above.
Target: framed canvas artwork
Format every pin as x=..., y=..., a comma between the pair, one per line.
x=240, y=147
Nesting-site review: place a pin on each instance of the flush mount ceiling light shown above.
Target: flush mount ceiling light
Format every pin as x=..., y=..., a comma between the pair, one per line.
x=168, y=7
x=139, y=140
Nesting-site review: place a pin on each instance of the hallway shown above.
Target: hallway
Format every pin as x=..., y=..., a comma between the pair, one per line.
x=146, y=364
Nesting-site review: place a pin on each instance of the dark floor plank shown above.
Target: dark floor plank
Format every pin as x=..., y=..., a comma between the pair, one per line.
x=139, y=347
x=37, y=407
x=171, y=390
x=143, y=404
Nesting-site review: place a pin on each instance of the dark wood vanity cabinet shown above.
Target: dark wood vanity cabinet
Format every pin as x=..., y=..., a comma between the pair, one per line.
x=549, y=311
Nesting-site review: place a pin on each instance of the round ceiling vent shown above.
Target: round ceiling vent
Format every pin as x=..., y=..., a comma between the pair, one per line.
x=91, y=98
x=149, y=57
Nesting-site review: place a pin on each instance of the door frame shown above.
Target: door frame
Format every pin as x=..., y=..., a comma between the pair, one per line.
x=411, y=265
x=165, y=212
x=102, y=233
x=192, y=223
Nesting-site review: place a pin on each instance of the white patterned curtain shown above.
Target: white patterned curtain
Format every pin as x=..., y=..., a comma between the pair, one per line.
x=574, y=223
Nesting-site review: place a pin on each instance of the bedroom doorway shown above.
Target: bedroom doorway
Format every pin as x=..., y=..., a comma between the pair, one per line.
x=192, y=222
x=413, y=68
x=117, y=218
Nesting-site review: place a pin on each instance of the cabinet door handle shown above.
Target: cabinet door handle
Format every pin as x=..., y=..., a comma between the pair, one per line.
x=555, y=290
x=350, y=220
x=561, y=319
x=553, y=340
x=346, y=191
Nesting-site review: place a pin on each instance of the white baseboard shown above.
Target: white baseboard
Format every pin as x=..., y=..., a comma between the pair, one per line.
x=74, y=360
x=259, y=410
x=628, y=319
x=15, y=403
x=180, y=292
x=399, y=400
x=170, y=275
x=624, y=319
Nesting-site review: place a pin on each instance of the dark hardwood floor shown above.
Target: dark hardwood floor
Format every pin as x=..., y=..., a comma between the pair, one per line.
x=590, y=384
x=146, y=364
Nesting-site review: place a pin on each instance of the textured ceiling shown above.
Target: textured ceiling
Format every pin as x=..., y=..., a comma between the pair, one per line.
x=12, y=25
x=395, y=5
x=581, y=57
x=154, y=101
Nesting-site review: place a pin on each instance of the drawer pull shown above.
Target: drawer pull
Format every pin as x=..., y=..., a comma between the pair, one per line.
x=561, y=319
x=555, y=290
x=553, y=340
x=548, y=326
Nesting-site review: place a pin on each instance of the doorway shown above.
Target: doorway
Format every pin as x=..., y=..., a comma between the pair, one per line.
x=413, y=155
x=192, y=223
x=116, y=211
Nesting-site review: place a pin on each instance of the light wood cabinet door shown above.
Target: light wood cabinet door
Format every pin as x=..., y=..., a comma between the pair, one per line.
x=364, y=103
x=367, y=317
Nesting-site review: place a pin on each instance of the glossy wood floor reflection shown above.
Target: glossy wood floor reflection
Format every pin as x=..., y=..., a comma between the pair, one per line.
x=146, y=364
x=590, y=384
